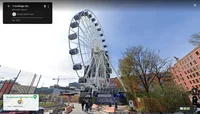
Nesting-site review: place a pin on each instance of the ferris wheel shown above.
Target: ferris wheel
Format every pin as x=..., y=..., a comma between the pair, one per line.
x=88, y=50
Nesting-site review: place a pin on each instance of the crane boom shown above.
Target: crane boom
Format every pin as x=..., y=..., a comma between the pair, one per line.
x=58, y=79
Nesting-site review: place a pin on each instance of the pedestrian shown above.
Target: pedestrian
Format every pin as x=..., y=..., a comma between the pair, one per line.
x=90, y=105
x=83, y=103
x=86, y=106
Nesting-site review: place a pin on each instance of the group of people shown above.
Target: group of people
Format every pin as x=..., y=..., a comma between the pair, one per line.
x=86, y=105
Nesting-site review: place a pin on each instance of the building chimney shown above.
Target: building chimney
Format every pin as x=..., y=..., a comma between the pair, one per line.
x=176, y=58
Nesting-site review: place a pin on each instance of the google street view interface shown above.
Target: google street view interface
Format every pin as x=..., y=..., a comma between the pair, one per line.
x=123, y=56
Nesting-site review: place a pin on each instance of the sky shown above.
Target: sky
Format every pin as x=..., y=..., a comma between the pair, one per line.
x=43, y=48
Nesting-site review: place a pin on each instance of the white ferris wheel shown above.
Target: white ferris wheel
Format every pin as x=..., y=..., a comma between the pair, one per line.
x=88, y=50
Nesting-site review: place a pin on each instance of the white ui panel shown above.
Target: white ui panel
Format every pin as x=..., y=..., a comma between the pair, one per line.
x=21, y=102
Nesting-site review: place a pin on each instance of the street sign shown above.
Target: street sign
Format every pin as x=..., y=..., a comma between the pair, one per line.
x=131, y=103
x=104, y=95
x=120, y=95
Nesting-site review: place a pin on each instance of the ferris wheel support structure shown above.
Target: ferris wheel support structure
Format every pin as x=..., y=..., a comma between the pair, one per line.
x=88, y=51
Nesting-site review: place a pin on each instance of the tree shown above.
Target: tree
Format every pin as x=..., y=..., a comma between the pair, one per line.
x=171, y=97
x=161, y=69
x=42, y=97
x=143, y=64
x=195, y=39
x=128, y=80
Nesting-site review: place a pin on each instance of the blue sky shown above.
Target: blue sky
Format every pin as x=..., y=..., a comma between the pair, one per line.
x=167, y=30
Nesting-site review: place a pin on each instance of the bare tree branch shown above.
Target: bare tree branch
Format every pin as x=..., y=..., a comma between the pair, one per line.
x=195, y=39
x=144, y=64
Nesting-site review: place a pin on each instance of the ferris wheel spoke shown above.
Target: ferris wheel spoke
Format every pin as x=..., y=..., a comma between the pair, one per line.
x=85, y=36
x=88, y=25
x=84, y=43
x=78, y=44
x=86, y=28
x=91, y=25
x=86, y=49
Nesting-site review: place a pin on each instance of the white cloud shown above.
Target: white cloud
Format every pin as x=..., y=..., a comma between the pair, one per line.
x=38, y=48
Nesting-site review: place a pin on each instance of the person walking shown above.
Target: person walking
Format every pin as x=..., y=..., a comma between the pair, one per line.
x=86, y=106
x=83, y=104
x=90, y=105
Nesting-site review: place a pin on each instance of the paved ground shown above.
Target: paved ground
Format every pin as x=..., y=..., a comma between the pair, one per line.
x=78, y=110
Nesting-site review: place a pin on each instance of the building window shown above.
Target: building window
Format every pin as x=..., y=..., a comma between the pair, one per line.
x=197, y=67
x=197, y=52
x=187, y=77
x=183, y=79
x=187, y=88
x=188, y=59
x=188, y=65
x=190, y=76
x=194, y=69
x=180, y=64
x=197, y=80
x=191, y=57
x=196, y=86
x=191, y=70
x=180, y=74
x=197, y=73
x=194, y=75
x=185, y=72
x=195, y=62
x=182, y=68
x=188, y=71
x=184, y=83
x=190, y=82
x=193, y=81
x=191, y=63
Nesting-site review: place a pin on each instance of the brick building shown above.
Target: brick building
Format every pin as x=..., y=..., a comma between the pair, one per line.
x=166, y=80
x=186, y=71
x=114, y=83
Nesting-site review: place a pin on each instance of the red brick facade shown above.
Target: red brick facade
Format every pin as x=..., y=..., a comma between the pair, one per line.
x=186, y=72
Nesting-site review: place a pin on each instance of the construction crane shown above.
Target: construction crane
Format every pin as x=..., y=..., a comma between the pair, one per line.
x=58, y=79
